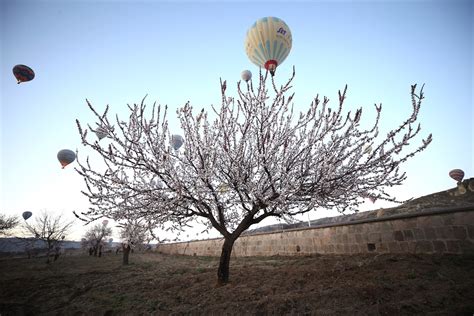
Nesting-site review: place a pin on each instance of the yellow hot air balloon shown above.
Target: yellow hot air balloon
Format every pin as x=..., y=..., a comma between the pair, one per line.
x=268, y=43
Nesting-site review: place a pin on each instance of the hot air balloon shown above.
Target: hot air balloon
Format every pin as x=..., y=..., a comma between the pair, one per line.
x=105, y=222
x=101, y=132
x=66, y=156
x=246, y=75
x=176, y=141
x=457, y=174
x=268, y=43
x=26, y=215
x=367, y=149
x=23, y=73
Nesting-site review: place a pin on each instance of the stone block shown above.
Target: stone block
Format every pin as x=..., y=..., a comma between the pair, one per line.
x=461, y=218
x=459, y=232
x=404, y=246
x=430, y=233
x=386, y=226
x=412, y=246
x=448, y=219
x=419, y=234
x=360, y=228
x=374, y=227
x=382, y=247
x=398, y=235
x=351, y=238
x=374, y=237
x=445, y=232
x=453, y=246
x=394, y=247
x=398, y=224
x=470, y=231
x=345, y=238
x=345, y=229
x=355, y=248
x=424, y=246
x=408, y=234
x=439, y=246
x=347, y=248
x=351, y=229
x=359, y=238
x=467, y=247
x=339, y=248
x=387, y=236
x=329, y=249
x=429, y=221
x=410, y=223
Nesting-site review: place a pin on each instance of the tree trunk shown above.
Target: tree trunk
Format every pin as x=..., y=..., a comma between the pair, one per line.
x=126, y=253
x=223, y=271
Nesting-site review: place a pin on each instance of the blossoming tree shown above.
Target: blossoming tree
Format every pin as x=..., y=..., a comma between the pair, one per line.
x=250, y=158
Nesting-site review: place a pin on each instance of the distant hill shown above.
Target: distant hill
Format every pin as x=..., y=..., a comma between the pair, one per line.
x=14, y=244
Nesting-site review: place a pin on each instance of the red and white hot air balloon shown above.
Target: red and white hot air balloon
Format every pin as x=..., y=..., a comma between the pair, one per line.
x=457, y=174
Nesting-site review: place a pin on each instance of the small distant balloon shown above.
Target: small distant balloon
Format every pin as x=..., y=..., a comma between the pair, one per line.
x=223, y=188
x=176, y=141
x=26, y=215
x=367, y=149
x=62, y=237
x=246, y=75
x=457, y=174
x=105, y=222
x=101, y=132
x=372, y=198
x=66, y=156
x=23, y=73
x=110, y=240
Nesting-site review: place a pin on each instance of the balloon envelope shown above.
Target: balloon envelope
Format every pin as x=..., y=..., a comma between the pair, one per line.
x=105, y=222
x=66, y=156
x=268, y=43
x=101, y=132
x=23, y=73
x=457, y=174
x=246, y=75
x=176, y=141
x=26, y=215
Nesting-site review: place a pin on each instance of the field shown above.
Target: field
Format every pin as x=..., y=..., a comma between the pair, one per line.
x=162, y=284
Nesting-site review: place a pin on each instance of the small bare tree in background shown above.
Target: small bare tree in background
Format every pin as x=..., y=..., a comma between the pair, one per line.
x=7, y=223
x=96, y=236
x=134, y=234
x=250, y=159
x=50, y=229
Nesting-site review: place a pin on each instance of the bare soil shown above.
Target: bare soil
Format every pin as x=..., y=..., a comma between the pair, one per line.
x=157, y=284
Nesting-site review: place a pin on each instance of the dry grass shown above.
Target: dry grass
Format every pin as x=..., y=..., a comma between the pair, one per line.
x=162, y=284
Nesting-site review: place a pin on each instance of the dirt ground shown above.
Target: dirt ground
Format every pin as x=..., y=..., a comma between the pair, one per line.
x=160, y=284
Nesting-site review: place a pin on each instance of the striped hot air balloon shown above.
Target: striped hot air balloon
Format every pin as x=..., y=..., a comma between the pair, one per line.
x=457, y=174
x=268, y=43
x=23, y=73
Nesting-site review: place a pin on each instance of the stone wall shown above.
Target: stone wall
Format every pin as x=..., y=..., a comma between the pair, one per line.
x=448, y=230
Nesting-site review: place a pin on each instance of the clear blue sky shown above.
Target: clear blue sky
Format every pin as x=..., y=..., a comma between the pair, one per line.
x=116, y=52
